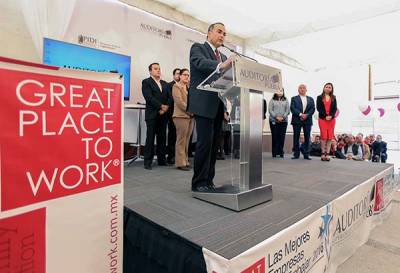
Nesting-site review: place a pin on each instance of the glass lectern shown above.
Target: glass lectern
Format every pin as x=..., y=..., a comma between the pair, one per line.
x=241, y=89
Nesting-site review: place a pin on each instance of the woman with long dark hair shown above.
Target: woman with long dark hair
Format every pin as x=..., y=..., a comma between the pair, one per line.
x=327, y=107
x=279, y=110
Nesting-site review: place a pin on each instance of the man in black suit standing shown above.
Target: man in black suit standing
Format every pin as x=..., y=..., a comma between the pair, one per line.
x=171, y=139
x=158, y=100
x=302, y=108
x=206, y=106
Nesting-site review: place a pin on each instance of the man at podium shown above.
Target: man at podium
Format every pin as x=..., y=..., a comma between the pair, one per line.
x=206, y=106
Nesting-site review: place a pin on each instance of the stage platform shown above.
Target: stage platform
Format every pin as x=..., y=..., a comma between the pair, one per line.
x=159, y=202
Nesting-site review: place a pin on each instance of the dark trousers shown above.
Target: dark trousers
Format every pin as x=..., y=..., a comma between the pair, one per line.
x=208, y=131
x=156, y=128
x=224, y=143
x=227, y=142
x=278, y=133
x=296, y=139
x=192, y=146
x=171, y=139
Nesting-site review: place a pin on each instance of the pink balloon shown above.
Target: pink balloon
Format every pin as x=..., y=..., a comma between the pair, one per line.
x=337, y=113
x=366, y=111
x=381, y=112
x=398, y=106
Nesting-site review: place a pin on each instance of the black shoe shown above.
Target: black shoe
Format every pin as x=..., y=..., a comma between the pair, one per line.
x=282, y=155
x=220, y=157
x=189, y=166
x=201, y=189
x=184, y=168
x=212, y=187
x=307, y=158
x=273, y=155
x=163, y=163
x=295, y=157
x=148, y=167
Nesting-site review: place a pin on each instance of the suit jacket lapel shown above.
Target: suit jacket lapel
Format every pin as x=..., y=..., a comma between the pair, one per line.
x=211, y=53
x=156, y=85
x=301, y=103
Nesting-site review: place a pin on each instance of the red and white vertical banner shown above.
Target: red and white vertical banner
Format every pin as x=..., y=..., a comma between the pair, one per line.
x=61, y=171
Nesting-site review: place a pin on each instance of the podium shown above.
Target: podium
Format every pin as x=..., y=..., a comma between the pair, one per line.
x=242, y=86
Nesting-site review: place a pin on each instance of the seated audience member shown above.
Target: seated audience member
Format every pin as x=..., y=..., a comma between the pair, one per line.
x=364, y=147
x=333, y=147
x=316, y=146
x=302, y=145
x=371, y=138
x=355, y=149
x=379, y=150
x=339, y=153
x=350, y=148
x=366, y=142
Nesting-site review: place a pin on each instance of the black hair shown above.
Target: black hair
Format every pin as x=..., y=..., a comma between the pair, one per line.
x=333, y=97
x=176, y=69
x=275, y=97
x=183, y=70
x=151, y=66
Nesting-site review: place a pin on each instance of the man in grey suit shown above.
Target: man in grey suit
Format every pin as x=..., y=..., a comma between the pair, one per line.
x=206, y=106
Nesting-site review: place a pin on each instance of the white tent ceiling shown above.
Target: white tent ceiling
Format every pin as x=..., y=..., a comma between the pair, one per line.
x=316, y=33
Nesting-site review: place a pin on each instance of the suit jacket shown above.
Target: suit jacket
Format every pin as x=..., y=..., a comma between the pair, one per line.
x=379, y=148
x=171, y=108
x=321, y=108
x=202, y=63
x=154, y=97
x=296, y=107
x=179, y=94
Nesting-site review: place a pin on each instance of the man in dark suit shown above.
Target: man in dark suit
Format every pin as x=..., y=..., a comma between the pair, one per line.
x=379, y=150
x=171, y=139
x=206, y=106
x=302, y=108
x=158, y=100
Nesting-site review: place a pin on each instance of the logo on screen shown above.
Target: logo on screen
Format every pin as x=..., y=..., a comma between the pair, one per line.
x=87, y=40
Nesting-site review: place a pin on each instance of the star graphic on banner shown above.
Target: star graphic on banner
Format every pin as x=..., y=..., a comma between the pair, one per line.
x=321, y=231
x=327, y=218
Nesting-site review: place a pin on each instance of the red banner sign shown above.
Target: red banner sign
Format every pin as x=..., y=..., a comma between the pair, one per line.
x=60, y=136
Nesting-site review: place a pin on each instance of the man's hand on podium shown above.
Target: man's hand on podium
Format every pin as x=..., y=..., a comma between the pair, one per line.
x=227, y=64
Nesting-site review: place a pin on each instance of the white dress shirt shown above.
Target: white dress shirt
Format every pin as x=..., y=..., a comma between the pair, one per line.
x=304, y=102
x=158, y=83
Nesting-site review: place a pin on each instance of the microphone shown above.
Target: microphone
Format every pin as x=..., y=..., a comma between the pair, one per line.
x=240, y=54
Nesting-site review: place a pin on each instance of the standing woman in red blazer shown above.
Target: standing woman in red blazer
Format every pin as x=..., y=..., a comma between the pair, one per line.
x=327, y=107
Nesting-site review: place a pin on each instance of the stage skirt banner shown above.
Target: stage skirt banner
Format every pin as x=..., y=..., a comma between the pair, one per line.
x=61, y=172
x=320, y=242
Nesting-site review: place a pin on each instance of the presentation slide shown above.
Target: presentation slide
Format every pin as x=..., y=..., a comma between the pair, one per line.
x=74, y=56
